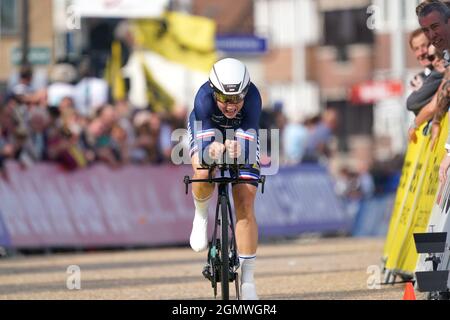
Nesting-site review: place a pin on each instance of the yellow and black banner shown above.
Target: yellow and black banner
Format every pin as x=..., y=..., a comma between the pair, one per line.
x=414, y=201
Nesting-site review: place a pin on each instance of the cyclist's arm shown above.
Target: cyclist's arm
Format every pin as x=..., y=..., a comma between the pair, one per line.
x=248, y=134
x=204, y=130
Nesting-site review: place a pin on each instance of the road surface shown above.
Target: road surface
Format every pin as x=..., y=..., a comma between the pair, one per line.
x=308, y=268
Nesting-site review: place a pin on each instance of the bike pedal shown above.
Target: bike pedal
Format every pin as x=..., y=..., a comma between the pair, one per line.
x=207, y=272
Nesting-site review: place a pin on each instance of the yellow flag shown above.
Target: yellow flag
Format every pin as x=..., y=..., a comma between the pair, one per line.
x=118, y=83
x=158, y=99
x=113, y=74
x=185, y=39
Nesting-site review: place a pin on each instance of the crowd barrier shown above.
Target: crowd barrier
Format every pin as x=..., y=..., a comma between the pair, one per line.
x=414, y=201
x=373, y=216
x=44, y=206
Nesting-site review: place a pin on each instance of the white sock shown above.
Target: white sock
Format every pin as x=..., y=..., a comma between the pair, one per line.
x=201, y=206
x=199, y=234
x=247, y=263
x=248, y=288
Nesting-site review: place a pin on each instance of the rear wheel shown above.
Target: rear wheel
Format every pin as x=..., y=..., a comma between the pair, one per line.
x=225, y=281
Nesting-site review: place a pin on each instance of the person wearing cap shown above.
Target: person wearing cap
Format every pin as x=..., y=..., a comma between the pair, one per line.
x=229, y=100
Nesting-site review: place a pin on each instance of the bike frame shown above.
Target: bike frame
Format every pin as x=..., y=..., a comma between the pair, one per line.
x=227, y=267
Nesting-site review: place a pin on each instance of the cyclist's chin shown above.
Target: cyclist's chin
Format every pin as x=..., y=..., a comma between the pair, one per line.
x=230, y=115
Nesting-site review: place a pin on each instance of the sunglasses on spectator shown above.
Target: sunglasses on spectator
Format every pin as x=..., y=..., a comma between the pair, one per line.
x=224, y=98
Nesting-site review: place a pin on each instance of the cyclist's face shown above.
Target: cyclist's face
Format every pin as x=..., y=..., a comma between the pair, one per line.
x=229, y=109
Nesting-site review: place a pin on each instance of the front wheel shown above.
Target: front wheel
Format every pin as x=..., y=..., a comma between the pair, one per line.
x=224, y=249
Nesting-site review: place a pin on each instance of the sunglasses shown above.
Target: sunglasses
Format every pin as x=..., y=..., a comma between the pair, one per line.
x=224, y=98
x=434, y=57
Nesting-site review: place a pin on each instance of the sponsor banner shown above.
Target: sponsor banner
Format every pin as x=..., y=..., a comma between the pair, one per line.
x=147, y=205
x=409, y=171
x=413, y=195
x=300, y=199
x=427, y=196
x=96, y=206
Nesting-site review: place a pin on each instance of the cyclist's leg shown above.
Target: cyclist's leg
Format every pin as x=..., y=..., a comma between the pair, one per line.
x=246, y=228
x=246, y=236
x=201, y=193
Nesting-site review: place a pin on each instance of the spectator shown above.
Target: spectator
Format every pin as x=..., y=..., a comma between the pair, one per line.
x=123, y=114
x=24, y=87
x=38, y=124
x=321, y=130
x=62, y=145
x=294, y=140
x=14, y=133
x=419, y=98
x=120, y=144
x=272, y=118
x=61, y=77
x=419, y=43
x=90, y=92
x=106, y=148
x=147, y=137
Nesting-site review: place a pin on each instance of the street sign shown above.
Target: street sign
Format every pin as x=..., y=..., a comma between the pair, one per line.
x=241, y=44
x=36, y=55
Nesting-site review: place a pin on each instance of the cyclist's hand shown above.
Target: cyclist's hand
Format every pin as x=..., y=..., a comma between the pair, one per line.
x=233, y=148
x=216, y=149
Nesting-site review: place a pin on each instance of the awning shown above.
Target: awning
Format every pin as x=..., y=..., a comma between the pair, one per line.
x=120, y=8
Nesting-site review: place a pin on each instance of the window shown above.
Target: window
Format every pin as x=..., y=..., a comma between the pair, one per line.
x=9, y=24
x=344, y=27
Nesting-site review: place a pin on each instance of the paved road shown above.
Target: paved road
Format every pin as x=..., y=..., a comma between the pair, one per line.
x=332, y=268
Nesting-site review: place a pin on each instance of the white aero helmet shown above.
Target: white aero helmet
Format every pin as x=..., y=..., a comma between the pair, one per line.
x=230, y=80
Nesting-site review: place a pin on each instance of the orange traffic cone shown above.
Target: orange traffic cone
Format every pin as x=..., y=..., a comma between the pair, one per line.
x=409, y=292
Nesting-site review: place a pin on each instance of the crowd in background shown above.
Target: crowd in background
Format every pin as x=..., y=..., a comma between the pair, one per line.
x=65, y=123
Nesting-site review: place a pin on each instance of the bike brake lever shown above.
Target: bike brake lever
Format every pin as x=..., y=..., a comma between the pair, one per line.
x=263, y=181
x=186, y=183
